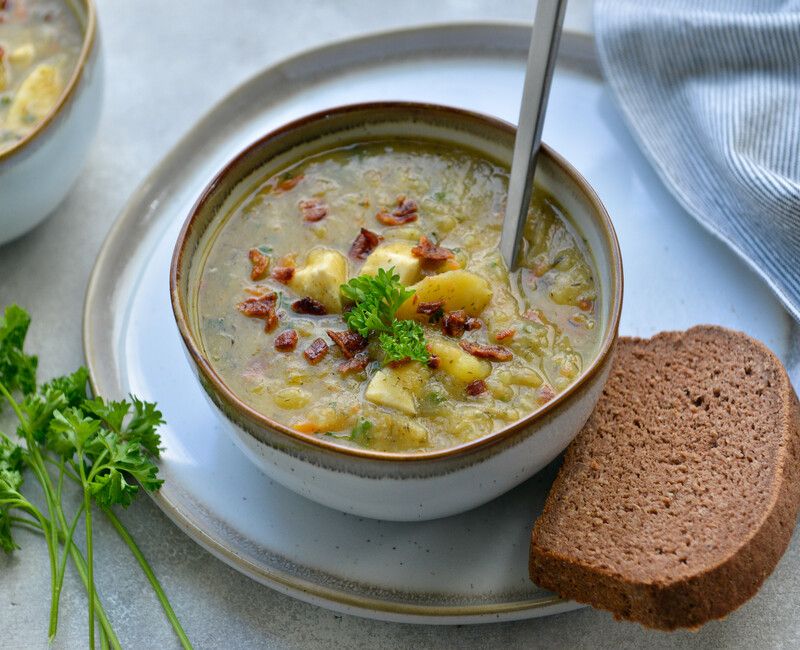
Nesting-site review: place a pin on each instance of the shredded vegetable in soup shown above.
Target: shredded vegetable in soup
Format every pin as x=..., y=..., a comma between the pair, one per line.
x=40, y=41
x=360, y=295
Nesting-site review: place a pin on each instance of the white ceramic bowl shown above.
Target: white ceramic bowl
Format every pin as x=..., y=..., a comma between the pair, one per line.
x=386, y=485
x=38, y=171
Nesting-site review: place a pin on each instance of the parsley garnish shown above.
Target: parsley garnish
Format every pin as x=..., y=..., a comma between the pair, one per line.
x=105, y=447
x=406, y=341
x=377, y=299
x=360, y=432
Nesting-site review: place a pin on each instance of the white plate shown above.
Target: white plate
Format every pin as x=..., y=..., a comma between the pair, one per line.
x=463, y=569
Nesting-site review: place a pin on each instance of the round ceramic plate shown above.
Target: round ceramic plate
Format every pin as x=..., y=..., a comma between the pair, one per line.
x=464, y=569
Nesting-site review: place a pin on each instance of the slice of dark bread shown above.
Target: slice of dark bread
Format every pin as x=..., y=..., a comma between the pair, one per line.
x=679, y=496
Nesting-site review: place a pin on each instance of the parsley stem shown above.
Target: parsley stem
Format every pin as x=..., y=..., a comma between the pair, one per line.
x=60, y=483
x=80, y=566
x=106, y=631
x=51, y=535
x=37, y=465
x=27, y=521
x=148, y=571
x=26, y=524
x=87, y=504
x=70, y=474
x=60, y=575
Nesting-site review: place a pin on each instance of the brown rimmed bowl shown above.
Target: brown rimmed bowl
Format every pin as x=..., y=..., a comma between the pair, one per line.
x=389, y=485
x=37, y=171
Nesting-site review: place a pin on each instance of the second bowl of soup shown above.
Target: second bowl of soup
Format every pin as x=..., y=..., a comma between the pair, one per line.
x=341, y=293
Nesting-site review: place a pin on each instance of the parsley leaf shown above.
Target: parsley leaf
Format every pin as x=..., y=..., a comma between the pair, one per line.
x=360, y=432
x=11, y=466
x=105, y=447
x=406, y=341
x=377, y=299
x=17, y=369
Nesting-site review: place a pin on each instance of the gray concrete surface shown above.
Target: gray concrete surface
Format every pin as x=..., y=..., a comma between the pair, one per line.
x=167, y=62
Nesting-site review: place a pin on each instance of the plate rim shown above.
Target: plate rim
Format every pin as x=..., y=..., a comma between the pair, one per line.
x=576, y=46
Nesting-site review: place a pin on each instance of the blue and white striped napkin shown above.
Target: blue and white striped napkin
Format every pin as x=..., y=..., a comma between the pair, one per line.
x=711, y=89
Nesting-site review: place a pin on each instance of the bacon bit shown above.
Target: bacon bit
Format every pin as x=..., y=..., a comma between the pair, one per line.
x=364, y=244
x=430, y=253
x=585, y=305
x=308, y=305
x=262, y=307
x=271, y=322
x=505, y=334
x=258, y=307
x=283, y=274
x=546, y=393
x=476, y=387
x=405, y=207
x=313, y=210
x=399, y=362
x=405, y=212
x=356, y=364
x=454, y=322
x=286, y=341
x=391, y=220
x=349, y=342
x=434, y=361
x=315, y=352
x=429, y=308
x=260, y=264
x=289, y=183
x=495, y=352
x=472, y=324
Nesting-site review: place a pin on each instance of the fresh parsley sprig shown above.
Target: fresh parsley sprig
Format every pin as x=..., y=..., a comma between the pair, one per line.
x=376, y=301
x=405, y=341
x=105, y=447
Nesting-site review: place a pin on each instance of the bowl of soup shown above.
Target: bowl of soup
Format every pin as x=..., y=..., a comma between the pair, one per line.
x=50, y=98
x=341, y=296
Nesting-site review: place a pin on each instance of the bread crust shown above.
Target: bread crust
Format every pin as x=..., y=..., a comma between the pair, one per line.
x=686, y=600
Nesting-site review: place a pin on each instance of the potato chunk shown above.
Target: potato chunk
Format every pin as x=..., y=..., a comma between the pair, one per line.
x=457, y=363
x=397, y=387
x=325, y=270
x=456, y=289
x=397, y=255
x=394, y=432
x=35, y=98
x=22, y=55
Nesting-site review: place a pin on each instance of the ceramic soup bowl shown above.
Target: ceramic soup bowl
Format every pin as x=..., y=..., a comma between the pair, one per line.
x=37, y=171
x=391, y=485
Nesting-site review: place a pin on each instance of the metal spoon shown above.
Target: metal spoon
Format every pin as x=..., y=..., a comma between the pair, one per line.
x=538, y=75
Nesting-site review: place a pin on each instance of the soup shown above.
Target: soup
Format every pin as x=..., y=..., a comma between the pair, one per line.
x=40, y=42
x=360, y=295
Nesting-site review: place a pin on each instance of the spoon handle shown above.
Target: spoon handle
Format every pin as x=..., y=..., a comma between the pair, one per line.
x=538, y=75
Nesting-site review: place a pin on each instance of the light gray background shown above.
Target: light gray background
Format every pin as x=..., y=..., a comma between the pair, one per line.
x=166, y=64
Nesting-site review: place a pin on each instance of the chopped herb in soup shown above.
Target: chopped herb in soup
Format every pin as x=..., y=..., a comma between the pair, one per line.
x=40, y=41
x=360, y=295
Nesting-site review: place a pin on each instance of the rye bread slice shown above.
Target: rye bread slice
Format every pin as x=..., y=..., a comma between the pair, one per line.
x=679, y=496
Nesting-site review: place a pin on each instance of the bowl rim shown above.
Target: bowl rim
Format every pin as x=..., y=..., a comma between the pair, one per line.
x=229, y=396
x=87, y=46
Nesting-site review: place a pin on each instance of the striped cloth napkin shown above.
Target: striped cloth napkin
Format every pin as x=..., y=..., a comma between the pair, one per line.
x=711, y=90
